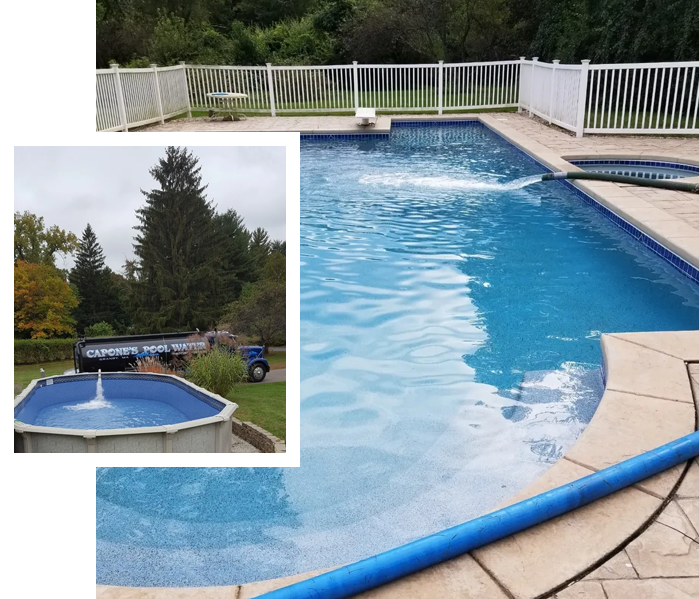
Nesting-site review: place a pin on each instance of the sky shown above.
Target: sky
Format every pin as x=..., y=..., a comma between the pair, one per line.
x=73, y=186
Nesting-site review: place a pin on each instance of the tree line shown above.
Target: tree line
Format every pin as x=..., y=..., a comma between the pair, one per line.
x=297, y=32
x=193, y=268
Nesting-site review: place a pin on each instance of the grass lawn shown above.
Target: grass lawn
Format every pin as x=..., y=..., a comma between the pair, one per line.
x=350, y=112
x=263, y=404
x=26, y=372
x=276, y=359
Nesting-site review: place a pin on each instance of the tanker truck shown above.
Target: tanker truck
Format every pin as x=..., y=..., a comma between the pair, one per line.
x=118, y=354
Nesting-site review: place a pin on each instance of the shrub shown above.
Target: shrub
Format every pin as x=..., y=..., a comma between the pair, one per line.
x=153, y=364
x=36, y=351
x=100, y=329
x=217, y=370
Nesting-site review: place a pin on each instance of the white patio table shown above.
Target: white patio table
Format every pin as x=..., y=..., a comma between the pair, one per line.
x=229, y=102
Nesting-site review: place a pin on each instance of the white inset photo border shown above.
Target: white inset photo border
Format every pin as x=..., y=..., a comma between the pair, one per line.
x=192, y=141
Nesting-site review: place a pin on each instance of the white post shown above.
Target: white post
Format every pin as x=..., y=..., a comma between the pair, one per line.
x=582, y=95
x=270, y=86
x=441, y=85
x=120, y=97
x=157, y=92
x=521, y=76
x=356, y=86
x=553, y=87
x=532, y=89
x=186, y=87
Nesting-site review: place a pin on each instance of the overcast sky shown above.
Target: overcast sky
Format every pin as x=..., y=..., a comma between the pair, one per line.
x=73, y=186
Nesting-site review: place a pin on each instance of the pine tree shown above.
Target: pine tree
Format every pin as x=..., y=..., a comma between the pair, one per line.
x=278, y=246
x=236, y=258
x=182, y=275
x=260, y=248
x=99, y=299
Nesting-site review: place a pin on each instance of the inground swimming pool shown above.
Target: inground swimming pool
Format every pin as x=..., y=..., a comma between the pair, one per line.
x=450, y=354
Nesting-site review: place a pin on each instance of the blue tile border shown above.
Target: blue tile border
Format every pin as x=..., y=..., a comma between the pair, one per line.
x=440, y=123
x=345, y=136
x=680, y=264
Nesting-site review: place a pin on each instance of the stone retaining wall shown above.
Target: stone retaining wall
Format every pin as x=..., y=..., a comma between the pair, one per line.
x=258, y=437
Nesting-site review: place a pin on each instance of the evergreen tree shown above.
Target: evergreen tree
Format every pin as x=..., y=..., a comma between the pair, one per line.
x=278, y=246
x=236, y=258
x=181, y=272
x=260, y=248
x=99, y=299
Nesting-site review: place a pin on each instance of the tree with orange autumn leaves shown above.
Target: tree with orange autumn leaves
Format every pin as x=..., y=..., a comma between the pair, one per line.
x=43, y=302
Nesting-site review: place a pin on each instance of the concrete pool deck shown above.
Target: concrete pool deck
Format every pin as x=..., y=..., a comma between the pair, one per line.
x=642, y=542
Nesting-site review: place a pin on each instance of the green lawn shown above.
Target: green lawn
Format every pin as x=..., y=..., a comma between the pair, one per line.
x=263, y=404
x=26, y=372
x=276, y=359
x=350, y=112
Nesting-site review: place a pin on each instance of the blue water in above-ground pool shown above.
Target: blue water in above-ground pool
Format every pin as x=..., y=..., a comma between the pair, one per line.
x=450, y=353
x=70, y=402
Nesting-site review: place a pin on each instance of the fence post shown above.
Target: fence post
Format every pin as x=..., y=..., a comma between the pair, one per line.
x=120, y=97
x=582, y=95
x=441, y=85
x=186, y=87
x=356, y=86
x=521, y=76
x=270, y=86
x=157, y=92
x=553, y=87
x=532, y=86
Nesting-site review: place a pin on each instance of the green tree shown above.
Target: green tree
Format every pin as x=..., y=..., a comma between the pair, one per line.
x=35, y=243
x=278, y=246
x=260, y=247
x=99, y=298
x=260, y=312
x=236, y=258
x=179, y=250
x=100, y=329
x=43, y=302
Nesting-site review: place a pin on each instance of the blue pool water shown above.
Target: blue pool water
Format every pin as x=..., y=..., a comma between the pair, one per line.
x=74, y=402
x=450, y=353
x=115, y=413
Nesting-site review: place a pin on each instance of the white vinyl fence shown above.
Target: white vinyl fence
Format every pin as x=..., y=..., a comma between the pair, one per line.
x=134, y=97
x=651, y=98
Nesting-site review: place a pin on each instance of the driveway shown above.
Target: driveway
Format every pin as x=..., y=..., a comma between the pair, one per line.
x=275, y=376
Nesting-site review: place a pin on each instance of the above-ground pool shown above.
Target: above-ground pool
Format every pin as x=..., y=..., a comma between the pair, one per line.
x=450, y=339
x=125, y=412
x=645, y=169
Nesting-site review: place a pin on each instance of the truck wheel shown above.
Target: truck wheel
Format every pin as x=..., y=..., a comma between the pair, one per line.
x=257, y=373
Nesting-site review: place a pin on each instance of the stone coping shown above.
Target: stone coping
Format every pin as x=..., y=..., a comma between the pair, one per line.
x=647, y=402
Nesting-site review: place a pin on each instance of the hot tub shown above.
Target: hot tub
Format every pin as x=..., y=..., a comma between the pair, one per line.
x=645, y=169
x=121, y=413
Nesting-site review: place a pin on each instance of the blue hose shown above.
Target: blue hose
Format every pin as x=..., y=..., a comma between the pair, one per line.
x=428, y=551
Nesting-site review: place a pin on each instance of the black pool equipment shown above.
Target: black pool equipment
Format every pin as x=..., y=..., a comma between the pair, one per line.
x=661, y=183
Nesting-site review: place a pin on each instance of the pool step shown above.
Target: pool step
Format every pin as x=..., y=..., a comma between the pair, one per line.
x=582, y=387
